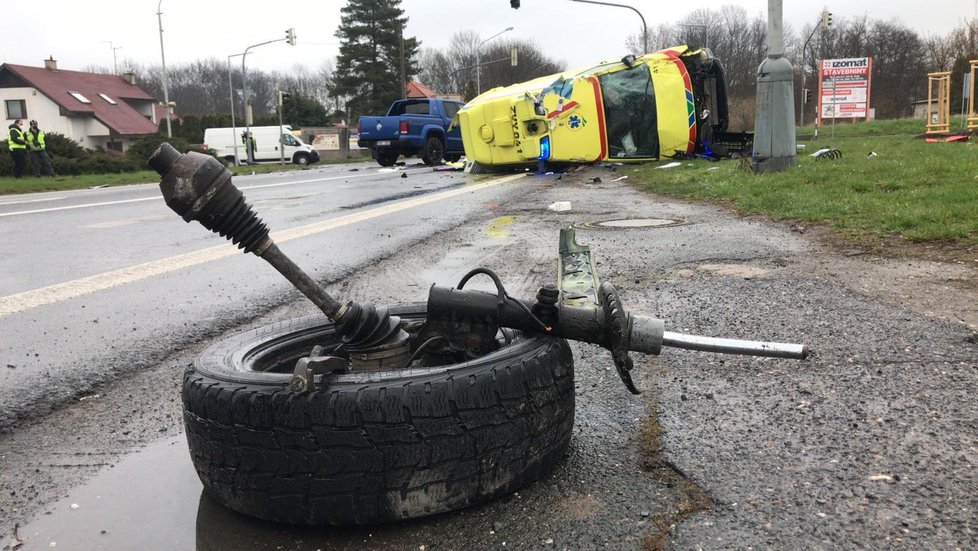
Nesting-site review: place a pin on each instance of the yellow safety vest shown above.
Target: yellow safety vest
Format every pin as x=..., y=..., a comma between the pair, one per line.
x=13, y=136
x=35, y=141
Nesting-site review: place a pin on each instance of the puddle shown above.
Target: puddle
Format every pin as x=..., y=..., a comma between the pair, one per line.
x=733, y=270
x=499, y=227
x=152, y=499
x=146, y=501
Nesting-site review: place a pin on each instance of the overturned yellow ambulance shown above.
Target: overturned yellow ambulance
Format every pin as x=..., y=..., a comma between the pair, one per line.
x=671, y=103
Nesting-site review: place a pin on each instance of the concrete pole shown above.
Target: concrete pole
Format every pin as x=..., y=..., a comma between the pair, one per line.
x=774, y=124
x=166, y=84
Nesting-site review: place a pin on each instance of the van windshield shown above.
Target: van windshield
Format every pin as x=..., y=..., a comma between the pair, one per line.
x=629, y=113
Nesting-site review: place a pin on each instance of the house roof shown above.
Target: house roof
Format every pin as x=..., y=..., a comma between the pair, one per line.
x=418, y=90
x=121, y=118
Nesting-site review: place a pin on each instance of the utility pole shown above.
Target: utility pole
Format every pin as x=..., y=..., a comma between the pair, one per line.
x=403, y=71
x=645, y=28
x=234, y=129
x=478, y=60
x=774, y=124
x=249, y=150
x=166, y=84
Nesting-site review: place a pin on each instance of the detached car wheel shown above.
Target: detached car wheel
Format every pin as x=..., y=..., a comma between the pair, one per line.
x=375, y=446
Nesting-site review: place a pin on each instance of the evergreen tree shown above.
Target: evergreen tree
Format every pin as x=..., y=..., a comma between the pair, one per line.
x=368, y=70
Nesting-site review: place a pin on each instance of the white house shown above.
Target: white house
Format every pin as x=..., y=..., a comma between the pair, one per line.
x=107, y=111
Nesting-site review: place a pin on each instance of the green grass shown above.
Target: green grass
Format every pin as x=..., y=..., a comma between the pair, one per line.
x=30, y=184
x=922, y=192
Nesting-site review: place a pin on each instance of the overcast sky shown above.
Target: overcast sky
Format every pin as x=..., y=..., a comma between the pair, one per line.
x=83, y=34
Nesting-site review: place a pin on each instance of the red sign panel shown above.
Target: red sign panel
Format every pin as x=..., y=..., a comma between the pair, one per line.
x=843, y=88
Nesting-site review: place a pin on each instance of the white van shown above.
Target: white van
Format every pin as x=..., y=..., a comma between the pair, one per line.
x=223, y=140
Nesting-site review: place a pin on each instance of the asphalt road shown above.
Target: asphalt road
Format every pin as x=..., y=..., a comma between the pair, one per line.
x=105, y=282
x=872, y=442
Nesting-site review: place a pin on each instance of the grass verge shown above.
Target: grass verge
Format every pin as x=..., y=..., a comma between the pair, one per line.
x=887, y=185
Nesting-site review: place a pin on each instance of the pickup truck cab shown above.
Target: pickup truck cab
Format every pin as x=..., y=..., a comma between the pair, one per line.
x=413, y=127
x=671, y=103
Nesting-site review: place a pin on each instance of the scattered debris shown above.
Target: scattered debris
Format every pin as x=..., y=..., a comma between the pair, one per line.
x=404, y=175
x=714, y=168
x=560, y=206
x=881, y=477
x=15, y=541
x=800, y=146
x=388, y=169
x=670, y=165
x=620, y=178
x=947, y=139
x=872, y=154
x=75, y=506
x=596, y=180
x=354, y=170
x=827, y=153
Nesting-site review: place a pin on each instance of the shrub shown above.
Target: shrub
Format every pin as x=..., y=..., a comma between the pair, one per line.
x=141, y=150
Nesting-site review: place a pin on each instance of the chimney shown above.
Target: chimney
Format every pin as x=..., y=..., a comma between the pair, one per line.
x=129, y=77
x=51, y=64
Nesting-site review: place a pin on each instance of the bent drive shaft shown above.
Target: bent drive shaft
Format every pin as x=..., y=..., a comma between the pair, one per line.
x=198, y=187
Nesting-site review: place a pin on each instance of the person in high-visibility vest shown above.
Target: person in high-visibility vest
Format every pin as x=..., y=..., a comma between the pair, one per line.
x=248, y=140
x=17, y=144
x=38, y=151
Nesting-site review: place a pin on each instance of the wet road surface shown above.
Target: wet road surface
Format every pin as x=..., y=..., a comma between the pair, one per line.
x=869, y=443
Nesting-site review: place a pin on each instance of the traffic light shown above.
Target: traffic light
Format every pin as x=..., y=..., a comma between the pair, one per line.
x=826, y=18
x=290, y=36
x=282, y=96
x=515, y=4
x=806, y=95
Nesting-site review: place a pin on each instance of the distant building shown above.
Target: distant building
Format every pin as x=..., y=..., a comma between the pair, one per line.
x=418, y=90
x=95, y=110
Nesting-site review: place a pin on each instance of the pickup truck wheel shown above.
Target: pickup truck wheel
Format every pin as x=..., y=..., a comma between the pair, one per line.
x=386, y=158
x=378, y=446
x=433, y=151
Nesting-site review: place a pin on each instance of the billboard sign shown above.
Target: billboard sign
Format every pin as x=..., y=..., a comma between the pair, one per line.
x=843, y=88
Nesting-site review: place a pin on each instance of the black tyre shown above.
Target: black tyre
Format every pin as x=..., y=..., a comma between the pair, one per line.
x=372, y=447
x=301, y=159
x=386, y=158
x=453, y=157
x=433, y=151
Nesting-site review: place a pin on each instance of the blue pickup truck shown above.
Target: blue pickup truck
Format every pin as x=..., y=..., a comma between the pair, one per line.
x=413, y=127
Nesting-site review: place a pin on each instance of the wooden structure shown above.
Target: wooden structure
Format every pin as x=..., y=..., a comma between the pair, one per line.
x=972, y=116
x=939, y=103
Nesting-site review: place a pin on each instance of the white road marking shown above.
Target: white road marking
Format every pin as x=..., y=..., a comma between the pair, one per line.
x=5, y=203
x=158, y=198
x=27, y=300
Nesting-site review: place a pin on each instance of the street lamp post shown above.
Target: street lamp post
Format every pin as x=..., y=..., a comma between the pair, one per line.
x=478, y=60
x=234, y=129
x=249, y=150
x=645, y=28
x=166, y=84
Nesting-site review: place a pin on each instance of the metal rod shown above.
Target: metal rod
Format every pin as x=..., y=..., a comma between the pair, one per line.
x=313, y=291
x=735, y=346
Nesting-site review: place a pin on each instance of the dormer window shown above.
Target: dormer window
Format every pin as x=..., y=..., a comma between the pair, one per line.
x=107, y=98
x=78, y=96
